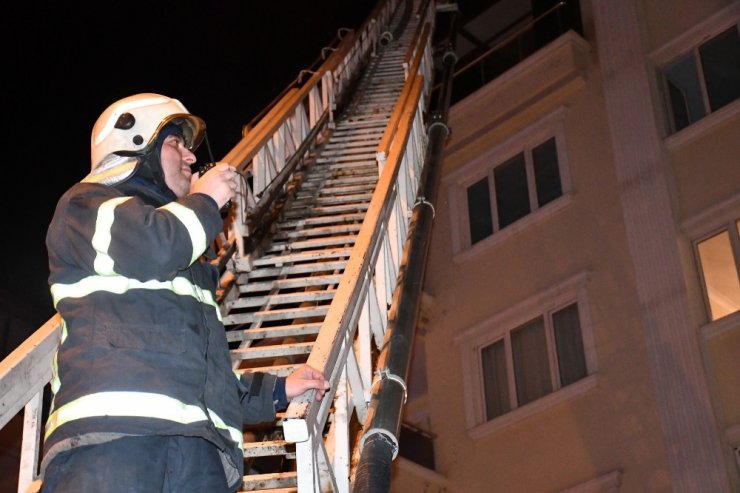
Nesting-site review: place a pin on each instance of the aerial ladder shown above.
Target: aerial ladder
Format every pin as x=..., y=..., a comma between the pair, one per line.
x=314, y=254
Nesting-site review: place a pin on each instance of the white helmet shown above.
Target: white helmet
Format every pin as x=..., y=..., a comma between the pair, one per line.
x=128, y=129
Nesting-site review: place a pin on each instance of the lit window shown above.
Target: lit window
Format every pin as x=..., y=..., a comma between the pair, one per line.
x=703, y=80
x=533, y=360
x=719, y=261
x=519, y=186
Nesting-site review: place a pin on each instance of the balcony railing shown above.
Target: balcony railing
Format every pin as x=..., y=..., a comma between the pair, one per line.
x=521, y=38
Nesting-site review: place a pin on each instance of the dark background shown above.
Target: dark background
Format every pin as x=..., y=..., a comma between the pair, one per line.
x=64, y=62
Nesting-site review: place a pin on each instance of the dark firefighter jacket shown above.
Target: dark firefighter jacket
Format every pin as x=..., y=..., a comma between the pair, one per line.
x=143, y=349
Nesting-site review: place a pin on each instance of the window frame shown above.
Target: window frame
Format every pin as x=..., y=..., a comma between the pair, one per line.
x=698, y=63
x=553, y=361
x=695, y=229
x=457, y=183
x=672, y=51
x=732, y=227
x=473, y=339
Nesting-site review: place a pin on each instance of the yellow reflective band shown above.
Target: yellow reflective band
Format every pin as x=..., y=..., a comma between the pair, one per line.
x=193, y=225
x=135, y=404
x=64, y=332
x=120, y=285
x=114, y=172
x=101, y=239
x=236, y=435
x=55, y=382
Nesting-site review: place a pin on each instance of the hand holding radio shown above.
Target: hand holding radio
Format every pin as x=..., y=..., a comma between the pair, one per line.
x=217, y=180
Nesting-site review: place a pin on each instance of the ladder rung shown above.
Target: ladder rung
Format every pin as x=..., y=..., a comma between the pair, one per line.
x=274, y=315
x=268, y=448
x=323, y=211
x=310, y=281
x=313, y=243
x=320, y=231
x=294, y=269
x=270, y=332
x=313, y=221
x=281, y=299
x=304, y=256
x=261, y=482
x=279, y=370
x=257, y=352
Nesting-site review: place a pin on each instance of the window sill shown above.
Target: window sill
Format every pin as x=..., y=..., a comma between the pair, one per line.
x=536, y=407
x=513, y=229
x=695, y=131
x=721, y=326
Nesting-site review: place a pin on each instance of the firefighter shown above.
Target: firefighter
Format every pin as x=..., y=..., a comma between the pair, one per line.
x=144, y=395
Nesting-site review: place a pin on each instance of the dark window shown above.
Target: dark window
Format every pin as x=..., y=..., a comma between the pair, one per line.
x=416, y=446
x=495, y=380
x=479, y=211
x=569, y=344
x=529, y=360
x=720, y=61
x=546, y=172
x=704, y=80
x=512, y=195
x=531, y=366
x=685, y=92
x=527, y=181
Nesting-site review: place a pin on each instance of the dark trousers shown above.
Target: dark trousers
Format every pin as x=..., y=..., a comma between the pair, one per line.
x=142, y=464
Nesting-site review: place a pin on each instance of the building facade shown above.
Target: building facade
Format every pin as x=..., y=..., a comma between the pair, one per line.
x=581, y=324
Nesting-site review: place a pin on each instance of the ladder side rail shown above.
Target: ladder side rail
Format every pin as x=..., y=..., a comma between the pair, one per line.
x=383, y=281
x=355, y=381
x=24, y=374
x=341, y=442
x=31, y=443
x=424, y=40
x=378, y=313
x=425, y=10
x=417, y=45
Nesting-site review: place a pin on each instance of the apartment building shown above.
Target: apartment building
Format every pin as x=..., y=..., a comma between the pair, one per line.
x=581, y=324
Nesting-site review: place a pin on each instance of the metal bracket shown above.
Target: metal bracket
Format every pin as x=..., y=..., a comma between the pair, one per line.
x=423, y=201
x=385, y=374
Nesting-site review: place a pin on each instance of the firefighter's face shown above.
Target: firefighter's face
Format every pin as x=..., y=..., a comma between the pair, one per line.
x=176, y=161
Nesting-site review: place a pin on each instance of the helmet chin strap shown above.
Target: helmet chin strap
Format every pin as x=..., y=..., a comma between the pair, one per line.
x=150, y=167
x=202, y=167
x=208, y=147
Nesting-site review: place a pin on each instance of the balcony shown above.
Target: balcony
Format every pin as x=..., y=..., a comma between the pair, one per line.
x=524, y=34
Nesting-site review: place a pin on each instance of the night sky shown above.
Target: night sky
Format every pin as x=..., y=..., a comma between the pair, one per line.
x=64, y=62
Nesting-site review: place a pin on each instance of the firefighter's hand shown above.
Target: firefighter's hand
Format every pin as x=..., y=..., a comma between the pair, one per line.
x=305, y=378
x=219, y=182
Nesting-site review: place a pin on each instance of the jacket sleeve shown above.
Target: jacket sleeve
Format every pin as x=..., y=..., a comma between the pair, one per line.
x=257, y=397
x=118, y=235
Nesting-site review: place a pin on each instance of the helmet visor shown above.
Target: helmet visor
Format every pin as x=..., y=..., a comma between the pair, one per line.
x=193, y=129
